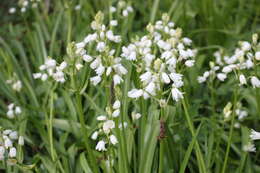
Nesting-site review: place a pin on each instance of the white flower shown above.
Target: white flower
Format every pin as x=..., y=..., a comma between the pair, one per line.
x=242, y=79
x=254, y=135
x=2, y=150
x=189, y=63
x=94, y=135
x=113, y=22
x=101, y=46
x=10, y=114
x=101, y=118
x=136, y=116
x=116, y=104
x=246, y=46
x=87, y=58
x=100, y=70
x=18, y=110
x=112, y=9
x=77, y=7
x=17, y=86
x=95, y=63
x=23, y=9
x=13, y=135
x=95, y=80
x=108, y=125
x=250, y=147
x=135, y=93
x=37, y=75
x=201, y=79
x=21, y=140
x=165, y=78
x=113, y=139
x=176, y=94
x=255, y=82
x=44, y=77
x=146, y=77
x=257, y=55
x=78, y=66
x=8, y=143
x=221, y=76
x=150, y=88
x=12, y=10
x=116, y=113
x=101, y=146
x=227, y=69
x=117, y=79
x=12, y=152
x=62, y=66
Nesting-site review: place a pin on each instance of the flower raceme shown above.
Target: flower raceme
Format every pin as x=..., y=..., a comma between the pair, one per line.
x=244, y=61
x=103, y=60
x=158, y=57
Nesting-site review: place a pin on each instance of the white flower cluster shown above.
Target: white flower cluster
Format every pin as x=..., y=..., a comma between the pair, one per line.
x=23, y=5
x=107, y=124
x=158, y=57
x=13, y=111
x=123, y=8
x=50, y=68
x=244, y=58
x=15, y=83
x=240, y=112
x=8, y=142
x=103, y=61
x=250, y=147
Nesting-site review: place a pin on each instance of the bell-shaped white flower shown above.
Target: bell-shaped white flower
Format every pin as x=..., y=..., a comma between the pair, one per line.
x=255, y=135
x=135, y=93
x=101, y=146
x=113, y=139
x=176, y=94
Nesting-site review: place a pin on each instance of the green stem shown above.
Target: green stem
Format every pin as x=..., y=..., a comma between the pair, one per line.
x=197, y=147
x=85, y=132
x=161, y=156
x=230, y=131
x=50, y=124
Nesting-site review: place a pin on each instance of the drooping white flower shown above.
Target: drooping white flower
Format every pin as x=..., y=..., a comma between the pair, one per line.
x=242, y=79
x=108, y=125
x=95, y=80
x=116, y=113
x=101, y=118
x=255, y=82
x=135, y=93
x=250, y=147
x=255, y=135
x=113, y=139
x=176, y=94
x=116, y=104
x=101, y=146
x=165, y=78
x=12, y=152
x=221, y=76
x=2, y=150
x=117, y=79
x=13, y=135
x=94, y=135
x=12, y=10
x=189, y=63
x=257, y=55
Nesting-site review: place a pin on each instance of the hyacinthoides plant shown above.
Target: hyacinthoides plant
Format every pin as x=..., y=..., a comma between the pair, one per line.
x=160, y=59
x=241, y=69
